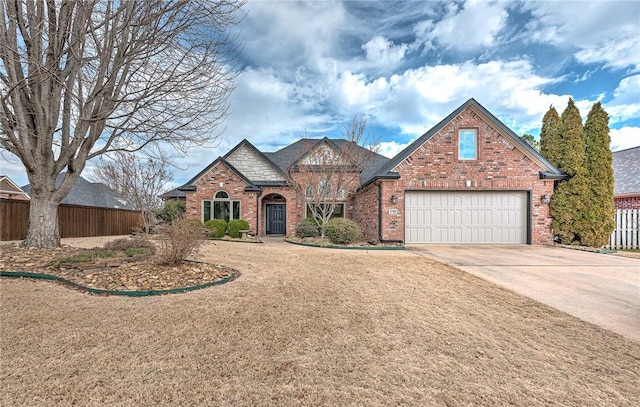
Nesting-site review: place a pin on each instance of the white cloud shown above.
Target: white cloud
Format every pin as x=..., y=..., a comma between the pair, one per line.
x=464, y=27
x=383, y=53
x=625, y=104
x=418, y=98
x=601, y=31
x=624, y=137
x=390, y=148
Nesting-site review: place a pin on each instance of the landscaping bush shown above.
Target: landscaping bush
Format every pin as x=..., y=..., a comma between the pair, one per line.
x=342, y=231
x=216, y=228
x=307, y=228
x=235, y=226
x=179, y=240
x=124, y=244
x=172, y=209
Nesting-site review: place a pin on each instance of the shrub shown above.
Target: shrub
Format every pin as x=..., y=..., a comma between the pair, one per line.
x=307, y=228
x=88, y=256
x=179, y=240
x=236, y=225
x=342, y=231
x=172, y=209
x=124, y=244
x=216, y=228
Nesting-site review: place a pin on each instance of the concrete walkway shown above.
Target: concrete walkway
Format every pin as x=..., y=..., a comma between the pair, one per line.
x=598, y=288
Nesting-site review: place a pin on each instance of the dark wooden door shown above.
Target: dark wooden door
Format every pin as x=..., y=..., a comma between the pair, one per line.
x=276, y=219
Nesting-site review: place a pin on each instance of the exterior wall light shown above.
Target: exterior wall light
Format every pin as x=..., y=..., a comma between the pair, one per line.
x=545, y=198
x=394, y=199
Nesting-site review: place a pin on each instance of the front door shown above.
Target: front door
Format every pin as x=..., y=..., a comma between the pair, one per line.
x=276, y=219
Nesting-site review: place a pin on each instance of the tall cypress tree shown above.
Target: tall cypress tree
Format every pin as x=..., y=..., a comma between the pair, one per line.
x=598, y=220
x=568, y=202
x=550, y=138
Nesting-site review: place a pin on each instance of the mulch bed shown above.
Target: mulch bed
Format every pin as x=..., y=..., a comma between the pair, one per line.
x=137, y=273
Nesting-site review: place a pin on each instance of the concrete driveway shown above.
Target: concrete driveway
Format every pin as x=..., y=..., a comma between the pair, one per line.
x=598, y=288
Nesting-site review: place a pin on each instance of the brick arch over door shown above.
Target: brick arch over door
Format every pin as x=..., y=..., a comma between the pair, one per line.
x=274, y=210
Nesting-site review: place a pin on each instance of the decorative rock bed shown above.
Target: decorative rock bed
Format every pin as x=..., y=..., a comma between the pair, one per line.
x=112, y=275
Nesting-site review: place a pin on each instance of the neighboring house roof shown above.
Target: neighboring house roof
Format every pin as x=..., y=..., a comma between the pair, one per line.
x=387, y=170
x=9, y=188
x=626, y=172
x=174, y=194
x=90, y=194
x=276, y=163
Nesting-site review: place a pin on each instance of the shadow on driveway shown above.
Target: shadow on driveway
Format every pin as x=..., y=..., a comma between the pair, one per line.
x=598, y=288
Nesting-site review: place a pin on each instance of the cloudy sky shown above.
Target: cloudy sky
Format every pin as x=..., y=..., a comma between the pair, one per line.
x=308, y=67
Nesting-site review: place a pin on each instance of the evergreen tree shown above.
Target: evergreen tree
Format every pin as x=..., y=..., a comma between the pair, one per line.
x=532, y=141
x=568, y=202
x=550, y=138
x=598, y=220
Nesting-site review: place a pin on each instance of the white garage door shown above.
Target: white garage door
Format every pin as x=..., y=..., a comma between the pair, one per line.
x=466, y=217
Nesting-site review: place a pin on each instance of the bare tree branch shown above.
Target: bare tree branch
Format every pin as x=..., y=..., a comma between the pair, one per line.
x=79, y=76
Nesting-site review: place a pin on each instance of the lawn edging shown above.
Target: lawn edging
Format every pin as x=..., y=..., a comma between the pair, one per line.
x=99, y=291
x=330, y=246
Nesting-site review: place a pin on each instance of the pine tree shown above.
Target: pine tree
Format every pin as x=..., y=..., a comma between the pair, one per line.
x=550, y=138
x=568, y=202
x=598, y=220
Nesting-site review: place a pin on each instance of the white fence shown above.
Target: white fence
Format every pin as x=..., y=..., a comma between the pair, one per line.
x=625, y=235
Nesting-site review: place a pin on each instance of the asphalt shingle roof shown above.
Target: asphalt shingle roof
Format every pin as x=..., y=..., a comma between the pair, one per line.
x=626, y=171
x=90, y=194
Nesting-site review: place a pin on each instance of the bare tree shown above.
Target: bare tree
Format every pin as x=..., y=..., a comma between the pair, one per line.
x=329, y=172
x=83, y=78
x=140, y=180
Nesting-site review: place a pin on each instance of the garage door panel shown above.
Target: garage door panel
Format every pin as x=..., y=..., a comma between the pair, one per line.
x=466, y=217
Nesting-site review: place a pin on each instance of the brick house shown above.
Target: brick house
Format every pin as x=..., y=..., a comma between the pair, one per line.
x=626, y=176
x=469, y=179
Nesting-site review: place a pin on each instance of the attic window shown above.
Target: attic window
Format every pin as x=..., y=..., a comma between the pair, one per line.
x=467, y=144
x=221, y=195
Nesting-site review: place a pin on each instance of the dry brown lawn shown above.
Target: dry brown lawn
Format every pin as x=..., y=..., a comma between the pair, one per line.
x=307, y=326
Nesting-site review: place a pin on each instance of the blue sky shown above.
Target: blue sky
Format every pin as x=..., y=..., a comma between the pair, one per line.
x=308, y=67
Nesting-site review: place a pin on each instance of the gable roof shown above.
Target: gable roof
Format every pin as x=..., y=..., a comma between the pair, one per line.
x=7, y=186
x=173, y=194
x=288, y=156
x=87, y=193
x=626, y=171
x=386, y=171
x=246, y=143
x=189, y=185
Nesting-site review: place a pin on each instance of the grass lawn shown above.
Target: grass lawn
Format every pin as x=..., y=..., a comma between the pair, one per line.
x=308, y=326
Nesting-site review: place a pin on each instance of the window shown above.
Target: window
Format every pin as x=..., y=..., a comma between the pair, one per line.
x=342, y=194
x=309, y=192
x=338, y=210
x=468, y=144
x=324, y=189
x=221, y=207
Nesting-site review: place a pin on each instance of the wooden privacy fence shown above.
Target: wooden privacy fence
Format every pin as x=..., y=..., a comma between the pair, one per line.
x=74, y=220
x=626, y=233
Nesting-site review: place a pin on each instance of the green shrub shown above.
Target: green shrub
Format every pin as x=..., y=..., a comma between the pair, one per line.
x=236, y=225
x=216, y=228
x=88, y=256
x=342, y=231
x=133, y=251
x=124, y=244
x=172, y=210
x=307, y=228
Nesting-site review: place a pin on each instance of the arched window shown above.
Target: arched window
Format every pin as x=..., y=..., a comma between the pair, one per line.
x=309, y=192
x=220, y=207
x=324, y=190
x=342, y=194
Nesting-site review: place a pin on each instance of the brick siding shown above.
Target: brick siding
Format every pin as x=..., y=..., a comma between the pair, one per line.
x=434, y=166
x=627, y=202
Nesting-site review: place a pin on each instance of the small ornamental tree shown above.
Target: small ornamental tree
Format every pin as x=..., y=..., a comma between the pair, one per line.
x=550, y=137
x=330, y=170
x=598, y=221
x=568, y=202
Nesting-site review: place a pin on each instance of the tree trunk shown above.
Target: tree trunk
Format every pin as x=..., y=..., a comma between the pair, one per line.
x=44, y=231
